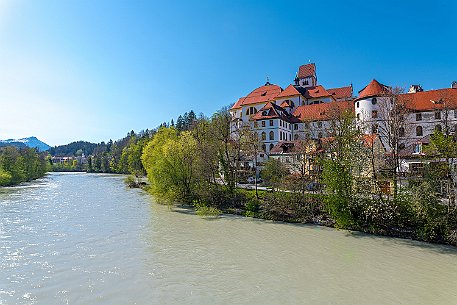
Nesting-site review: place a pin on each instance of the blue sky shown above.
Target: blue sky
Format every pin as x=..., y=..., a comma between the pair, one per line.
x=94, y=70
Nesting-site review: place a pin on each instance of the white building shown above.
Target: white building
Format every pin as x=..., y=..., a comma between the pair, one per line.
x=304, y=110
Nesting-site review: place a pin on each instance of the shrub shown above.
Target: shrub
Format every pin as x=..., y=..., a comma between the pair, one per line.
x=203, y=210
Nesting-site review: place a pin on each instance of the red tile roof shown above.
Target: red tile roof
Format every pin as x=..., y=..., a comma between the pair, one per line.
x=430, y=100
x=315, y=92
x=341, y=93
x=307, y=71
x=287, y=103
x=260, y=95
x=374, y=88
x=321, y=112
x=289, y=91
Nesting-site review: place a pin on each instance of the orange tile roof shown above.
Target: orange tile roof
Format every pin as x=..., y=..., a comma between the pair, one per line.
x=307, y=70
x=341, y=93
x=315, y=92
x=321, y=112
x=374, y=88
x=260, y=95
x=287, y=103
x=430, y=100
x=289, y=91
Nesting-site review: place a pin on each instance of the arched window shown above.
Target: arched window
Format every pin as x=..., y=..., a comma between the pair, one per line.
x=264, y=147
x=438, y=128
x=272, y=135
x=419, y=131
x=374, y=101
x=271, y=146
x=401, y=132
x=264, y=136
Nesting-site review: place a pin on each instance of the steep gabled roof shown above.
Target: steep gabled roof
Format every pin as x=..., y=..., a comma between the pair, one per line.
x=273, y=111
x=260, y=95
x=287, y=104
x=341, y=93
x=321, y=112
x=316, y=92
x=289, y=91
x=374, y=88
x=430, y=100
x=307, y=70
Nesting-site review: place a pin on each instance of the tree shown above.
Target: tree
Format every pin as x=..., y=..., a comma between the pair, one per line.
x=274, y=173
x=393, y=111
x=340, y=167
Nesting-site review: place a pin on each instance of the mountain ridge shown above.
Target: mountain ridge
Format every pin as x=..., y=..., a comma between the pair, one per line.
x=32, y=142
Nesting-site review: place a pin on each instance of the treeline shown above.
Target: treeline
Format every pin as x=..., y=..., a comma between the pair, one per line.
x=202, y=165
x=20, y=165
x=73, y=149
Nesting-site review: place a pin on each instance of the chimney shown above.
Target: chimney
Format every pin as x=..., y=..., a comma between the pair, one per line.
x=454, y=85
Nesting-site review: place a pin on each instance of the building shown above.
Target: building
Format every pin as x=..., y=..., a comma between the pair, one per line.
x=306, y=109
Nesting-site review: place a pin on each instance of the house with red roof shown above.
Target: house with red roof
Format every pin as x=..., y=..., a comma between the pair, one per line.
x=279, y=114
x=306, y=110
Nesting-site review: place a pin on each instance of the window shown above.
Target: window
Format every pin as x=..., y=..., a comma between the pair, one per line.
x=256, y=124
x=264, y=136
x=290, y=137
x=280, y=136
x=401, y=132
x=437, y=115
x=419, y=131
x=264, y=147
x=319, y=135
x=271, y=122
x=296, y=137
x=374, y=128
x=271, y=146
x=251, y=110
x=305, y=125
x=358, y=116
x=455, y=128
x=319, y=124
x=419, y=116
x=455, y=113
x=263, y=123
x=307, y=136
x=358, y=104
x=418, y=148
x=374, y=114
x=295, y=126
x=401, y=146
x=374, y=101
x=305, y=82
x=438, y=128
x=272, y=135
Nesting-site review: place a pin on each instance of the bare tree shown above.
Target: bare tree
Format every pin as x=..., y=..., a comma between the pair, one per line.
x=391, y=128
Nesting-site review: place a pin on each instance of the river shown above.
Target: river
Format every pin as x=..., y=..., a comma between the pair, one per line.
x=87, y=239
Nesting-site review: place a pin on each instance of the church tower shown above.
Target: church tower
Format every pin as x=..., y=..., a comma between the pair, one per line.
x=306, y=76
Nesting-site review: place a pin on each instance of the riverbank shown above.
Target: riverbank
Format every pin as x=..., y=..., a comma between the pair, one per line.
x=388, y=218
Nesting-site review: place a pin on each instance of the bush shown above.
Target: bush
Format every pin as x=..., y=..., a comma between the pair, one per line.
x=203, y=210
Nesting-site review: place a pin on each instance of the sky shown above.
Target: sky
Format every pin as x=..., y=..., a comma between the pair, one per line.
x=94, y=70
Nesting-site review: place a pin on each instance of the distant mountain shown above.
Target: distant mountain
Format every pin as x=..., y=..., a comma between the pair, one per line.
x=32, y=142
